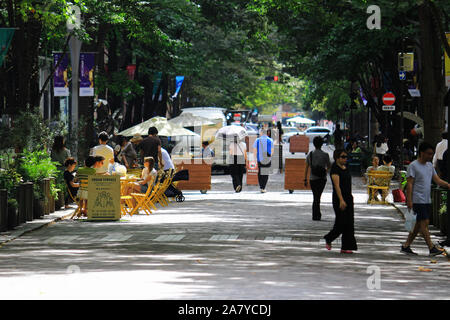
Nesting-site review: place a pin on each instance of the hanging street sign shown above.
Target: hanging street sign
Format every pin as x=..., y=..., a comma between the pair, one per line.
x=406, y=61
x=402, y=75
x=388, y=98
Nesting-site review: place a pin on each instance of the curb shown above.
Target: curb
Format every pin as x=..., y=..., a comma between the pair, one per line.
x=33, y=225
x=397, y=205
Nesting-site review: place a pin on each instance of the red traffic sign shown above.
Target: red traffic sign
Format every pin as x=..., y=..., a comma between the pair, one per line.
x=388, y=98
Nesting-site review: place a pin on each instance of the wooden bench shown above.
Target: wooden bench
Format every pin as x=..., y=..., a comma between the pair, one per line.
x=378, y=180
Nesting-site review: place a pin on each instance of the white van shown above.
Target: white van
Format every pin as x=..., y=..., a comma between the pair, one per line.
x=193, y=145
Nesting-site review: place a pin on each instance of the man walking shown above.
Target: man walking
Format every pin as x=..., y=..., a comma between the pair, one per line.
x=151, y=147
x=103, y=150
x=418, y=197
x=262, y=151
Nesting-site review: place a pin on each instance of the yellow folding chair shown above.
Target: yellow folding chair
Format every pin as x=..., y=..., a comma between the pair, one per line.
x=79, y=199
x=141, y=199
x=160, y=196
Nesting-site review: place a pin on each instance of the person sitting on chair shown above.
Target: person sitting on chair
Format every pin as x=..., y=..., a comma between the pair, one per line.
x=387, y=166
x=148, y=176
x=72, y=187
x=83, y=174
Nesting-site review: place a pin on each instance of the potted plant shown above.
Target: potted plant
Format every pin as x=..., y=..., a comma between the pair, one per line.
x=35, y=166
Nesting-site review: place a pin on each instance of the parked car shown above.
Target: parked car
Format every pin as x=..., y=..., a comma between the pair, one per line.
x=313, y=132
x=289, y=132
x=252, y=129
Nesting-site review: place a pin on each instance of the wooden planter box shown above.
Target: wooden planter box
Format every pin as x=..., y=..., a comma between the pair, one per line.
x=299, y=143
x=294, y=175
x=199, y=174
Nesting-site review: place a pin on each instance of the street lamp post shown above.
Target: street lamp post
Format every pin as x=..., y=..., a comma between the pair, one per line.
x=75, y=46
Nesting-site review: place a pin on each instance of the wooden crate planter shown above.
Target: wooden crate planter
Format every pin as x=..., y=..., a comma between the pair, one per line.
x=299, y=143
x=294, y=175
x=199, y=174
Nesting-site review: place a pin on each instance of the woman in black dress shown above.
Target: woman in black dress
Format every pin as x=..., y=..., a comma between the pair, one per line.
x=342, y=204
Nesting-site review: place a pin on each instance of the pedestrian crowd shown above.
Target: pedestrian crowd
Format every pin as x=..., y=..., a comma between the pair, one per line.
x=429, y=167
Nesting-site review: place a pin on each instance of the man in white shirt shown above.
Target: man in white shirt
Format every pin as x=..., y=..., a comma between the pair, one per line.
x=167, y=161
x=438, y=155
x=103, y=150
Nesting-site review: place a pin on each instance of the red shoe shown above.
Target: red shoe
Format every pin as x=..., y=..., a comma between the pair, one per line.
x=346, y=251
x=328, y=246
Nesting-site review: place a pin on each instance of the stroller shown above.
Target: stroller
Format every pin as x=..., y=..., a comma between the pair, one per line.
x=172, y=191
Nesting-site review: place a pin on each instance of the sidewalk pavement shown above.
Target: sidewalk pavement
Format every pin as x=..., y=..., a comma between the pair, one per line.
x=219, y=183
x=35, y=224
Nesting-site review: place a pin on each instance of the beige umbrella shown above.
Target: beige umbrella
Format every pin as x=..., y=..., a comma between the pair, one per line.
x=301, y=120
x=164, y=128
x=411, y=116
x=187, y=119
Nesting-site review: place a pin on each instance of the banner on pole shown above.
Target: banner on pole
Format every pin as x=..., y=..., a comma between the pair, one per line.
x=156, y=81
x=87, y=62
x=447, y=63
x=6, y=35
x=60, y=77
x=178, y=83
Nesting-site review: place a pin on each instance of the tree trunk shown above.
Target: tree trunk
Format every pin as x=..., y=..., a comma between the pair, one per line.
x=432, y=80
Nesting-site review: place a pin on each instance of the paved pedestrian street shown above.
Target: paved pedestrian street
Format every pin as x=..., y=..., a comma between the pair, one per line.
x=224, y=245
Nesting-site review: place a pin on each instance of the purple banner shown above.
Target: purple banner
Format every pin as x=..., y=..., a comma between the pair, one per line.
x=87, y=61
x=60, y=78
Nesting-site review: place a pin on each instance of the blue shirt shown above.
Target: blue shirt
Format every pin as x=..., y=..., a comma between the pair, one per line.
x=263, y=146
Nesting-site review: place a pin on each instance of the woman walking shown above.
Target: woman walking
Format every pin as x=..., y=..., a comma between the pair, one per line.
x=319, y=162
x=238, y=153
x=342, y=204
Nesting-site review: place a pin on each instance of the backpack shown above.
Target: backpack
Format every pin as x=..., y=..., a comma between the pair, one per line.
x=318, y=171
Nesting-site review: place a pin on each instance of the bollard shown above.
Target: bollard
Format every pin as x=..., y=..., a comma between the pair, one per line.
x=13, y=218
x=38, y=209
x=3, y=210
x=28, y=200
x=21, y=201
x=51, y=198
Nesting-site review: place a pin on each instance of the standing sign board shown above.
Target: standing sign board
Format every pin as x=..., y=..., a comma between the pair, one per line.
x=103, y=197
x=252, y=173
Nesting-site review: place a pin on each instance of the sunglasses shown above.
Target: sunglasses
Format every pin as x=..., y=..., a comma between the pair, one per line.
x=343, y=157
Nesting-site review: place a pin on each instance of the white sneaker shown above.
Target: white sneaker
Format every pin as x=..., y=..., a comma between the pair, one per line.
x=263, y=191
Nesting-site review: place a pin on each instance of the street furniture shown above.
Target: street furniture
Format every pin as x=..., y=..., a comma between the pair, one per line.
x=199, y=174
x=79, y=199
x=378, y=181
x=294, y=175
x=141, y=198
x=299, y=143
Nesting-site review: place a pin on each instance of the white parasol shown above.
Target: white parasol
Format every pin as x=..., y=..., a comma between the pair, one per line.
x=301, y=120
x=164, y=128
x=231, y=131
x=187, y=119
